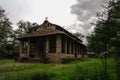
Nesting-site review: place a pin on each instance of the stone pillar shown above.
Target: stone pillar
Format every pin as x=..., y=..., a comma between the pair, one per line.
x=21, y=48
x=66, y=46
x=75, y=49
x=36, y=48
x=70, y=47
x=47, y=45
x=83, y=52
x=78, y=49
x=58, y=48
x=74, y=52
x=28, y=48
x=58, y=44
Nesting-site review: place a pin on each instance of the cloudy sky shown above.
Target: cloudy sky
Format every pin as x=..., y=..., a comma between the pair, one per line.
x=74, y=15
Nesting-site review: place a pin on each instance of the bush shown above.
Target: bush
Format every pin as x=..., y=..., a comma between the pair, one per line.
x=89, y=69
x=92, y=71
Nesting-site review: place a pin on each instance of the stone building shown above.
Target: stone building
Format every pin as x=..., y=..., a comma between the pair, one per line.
x=50, y=43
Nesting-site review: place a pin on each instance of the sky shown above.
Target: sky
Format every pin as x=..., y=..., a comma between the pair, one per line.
x=57, y=11
x=85, y=11
x=74, y=15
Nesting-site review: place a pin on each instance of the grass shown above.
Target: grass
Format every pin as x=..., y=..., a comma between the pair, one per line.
x=6, y=61
x=89, y=69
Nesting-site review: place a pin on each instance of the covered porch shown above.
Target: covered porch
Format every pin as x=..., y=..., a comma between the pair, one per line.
x=54, y=48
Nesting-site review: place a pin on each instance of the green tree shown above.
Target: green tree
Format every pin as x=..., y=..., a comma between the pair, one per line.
x=6, y=33
x=106, y=29
x=106, y=35
x=25, y=27
x=78, y=35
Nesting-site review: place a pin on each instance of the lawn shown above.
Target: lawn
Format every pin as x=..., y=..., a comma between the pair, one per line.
x=88, y=69
x=6, y=61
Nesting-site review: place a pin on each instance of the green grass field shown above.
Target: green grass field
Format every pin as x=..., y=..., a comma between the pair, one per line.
x=89, y=69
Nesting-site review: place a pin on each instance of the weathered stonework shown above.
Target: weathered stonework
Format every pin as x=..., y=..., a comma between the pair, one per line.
x=49, y=43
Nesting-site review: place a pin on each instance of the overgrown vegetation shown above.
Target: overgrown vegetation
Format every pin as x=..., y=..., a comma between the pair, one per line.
x=89, y=69
x=9, y=46
x=106, y=34
x=105, y=38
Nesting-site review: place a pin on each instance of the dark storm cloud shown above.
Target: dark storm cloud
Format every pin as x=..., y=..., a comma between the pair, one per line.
x=86, y=10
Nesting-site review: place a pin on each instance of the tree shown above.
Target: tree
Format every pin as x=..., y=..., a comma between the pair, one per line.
x=106, y=35
x=79, y=35
x=9, y=46
x=114, y=20
x=106, y=29
x=24, y=27
x=6, y=33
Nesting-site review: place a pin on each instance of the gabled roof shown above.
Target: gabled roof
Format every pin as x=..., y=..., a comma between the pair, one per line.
x=48, y=28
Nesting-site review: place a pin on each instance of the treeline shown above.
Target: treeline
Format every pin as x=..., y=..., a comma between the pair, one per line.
x=106, y=34
x=9, y=46
x=105, y=39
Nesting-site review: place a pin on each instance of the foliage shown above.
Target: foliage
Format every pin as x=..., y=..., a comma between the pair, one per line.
x=89, y=69
x=9, y=46
x=79, y=35
x=106, y=35
x=107, y=31
x=6, y=36
x=25, y=27
x=6, y=61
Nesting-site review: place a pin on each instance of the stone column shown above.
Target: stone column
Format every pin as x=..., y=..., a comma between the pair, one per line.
x=75, y=49
x=20, y=48
x=66, y=46
x=74, y=52
x=78, y=49
x=36, y=48
x=70, y=47
x=47, y=45
x=58, y=48
x=83, y=52
x=58, y=44
x=28, y=48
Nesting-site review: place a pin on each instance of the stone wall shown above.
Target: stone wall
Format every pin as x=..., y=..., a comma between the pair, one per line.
x=57, y=58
